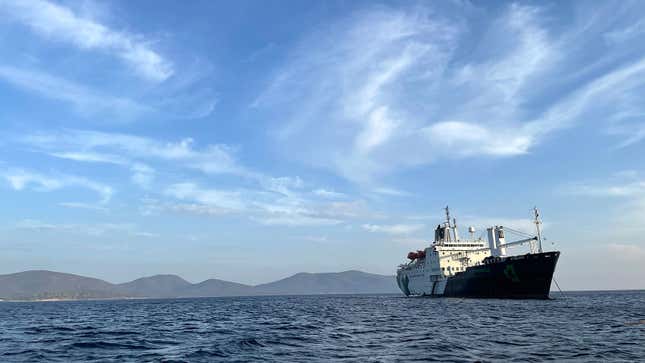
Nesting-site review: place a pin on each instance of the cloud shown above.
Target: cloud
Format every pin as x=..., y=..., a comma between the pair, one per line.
x=21, y=179
x=260, y=205
x=86, y=206
x=266, y=199
x=626, y=251
x=394, y=229
x=467, y=139
x=154, y=207
x=382, y=92
x=391, y=192
x=124, y=149
x=85, y=100
x=614, y=96
x=624, y=190
x=224, y=200
x=328, y=194
x=97, y=229
x=91, y=157
x=622, y=184
x=142, y=174
x=626, y=33
x=61, y=24
x=385, y=89
x=282, y=185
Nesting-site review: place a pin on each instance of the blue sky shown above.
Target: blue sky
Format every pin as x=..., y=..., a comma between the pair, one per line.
x=251, y=140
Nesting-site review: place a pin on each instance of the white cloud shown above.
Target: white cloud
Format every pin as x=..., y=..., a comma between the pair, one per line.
x=224, y=200
x=61, y=24
x=626, y=251
x=21, y=179
x=97, y=229
x=379, y=91
x=282, y=185
x=79, y=205
x=328, y=194
x=394, y=229
x=91, y=157
x=143, y=175
x=85, y=100
x=152, y=206
x=260, y=205
x=123, y=148
x=467, y=139
x=628, y=183
x=624, y=190
x=391, y=192
x=271, y=200
x=614, y=96
x=385, y=89
x=626, y=33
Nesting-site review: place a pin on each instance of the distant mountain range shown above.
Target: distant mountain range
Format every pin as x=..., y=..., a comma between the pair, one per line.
x=49, y=285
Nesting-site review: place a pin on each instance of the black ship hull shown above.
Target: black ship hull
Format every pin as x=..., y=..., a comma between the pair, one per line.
x=516, y=277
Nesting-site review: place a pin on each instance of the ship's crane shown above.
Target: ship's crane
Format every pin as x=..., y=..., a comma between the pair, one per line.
x=462, y=254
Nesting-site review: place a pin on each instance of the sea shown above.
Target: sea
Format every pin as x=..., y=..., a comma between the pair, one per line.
x=573, y=326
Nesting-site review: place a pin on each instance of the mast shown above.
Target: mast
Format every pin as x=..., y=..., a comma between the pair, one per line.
x=454, y=229
x=537, y=228
x=448, y=226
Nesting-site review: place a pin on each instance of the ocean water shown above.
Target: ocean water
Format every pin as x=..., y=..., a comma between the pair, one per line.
x=598, y=326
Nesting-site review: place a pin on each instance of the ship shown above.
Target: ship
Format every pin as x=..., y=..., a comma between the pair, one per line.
x=478, y=268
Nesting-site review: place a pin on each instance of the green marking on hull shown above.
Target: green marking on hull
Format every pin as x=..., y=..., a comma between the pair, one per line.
x=404, y=285
x=511, y=274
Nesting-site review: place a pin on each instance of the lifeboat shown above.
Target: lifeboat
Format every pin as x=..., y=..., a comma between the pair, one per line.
x=412, y=256
x=421, y=254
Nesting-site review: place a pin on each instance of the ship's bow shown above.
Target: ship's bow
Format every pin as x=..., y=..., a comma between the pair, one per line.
x=522, y=277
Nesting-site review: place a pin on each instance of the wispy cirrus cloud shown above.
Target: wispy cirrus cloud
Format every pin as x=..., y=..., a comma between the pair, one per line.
x=133, y=151
x=59, y=23
x=376, y=61
x=393, y=229
x=20, y=179
x=184, y=103
x=625, y=184
x=388, y=89
x=325, y=193
x=225, y=200
x=266, y=199
x=260, y=205
x=143, y=155
x=142, y=174
x=86, y=206
x=96, y=229
x=85, y=100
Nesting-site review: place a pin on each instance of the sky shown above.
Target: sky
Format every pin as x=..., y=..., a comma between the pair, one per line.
x=249, y=140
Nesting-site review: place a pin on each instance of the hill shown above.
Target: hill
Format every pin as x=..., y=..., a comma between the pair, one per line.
x=155, y=286
x=43, y=285
x=347, y=282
